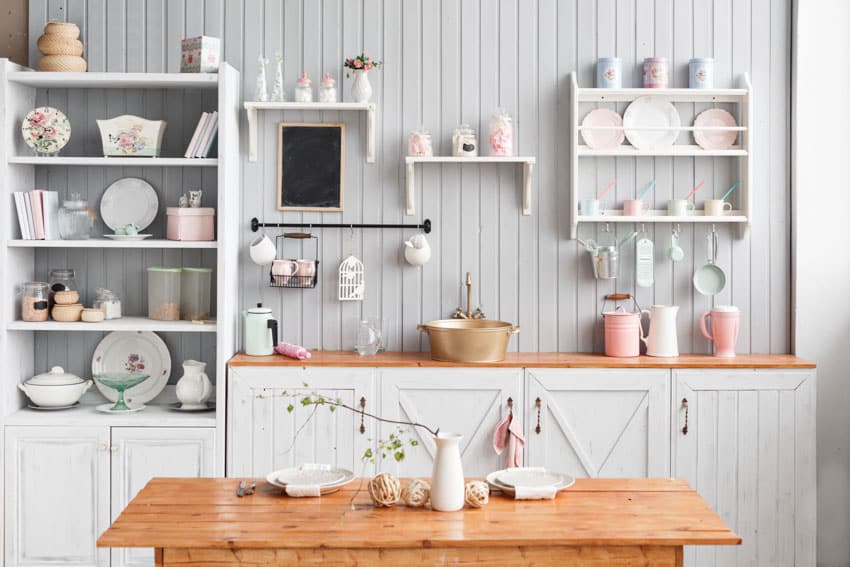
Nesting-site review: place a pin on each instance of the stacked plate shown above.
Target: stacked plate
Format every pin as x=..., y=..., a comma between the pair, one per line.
x=507, y=480
x=329, y=479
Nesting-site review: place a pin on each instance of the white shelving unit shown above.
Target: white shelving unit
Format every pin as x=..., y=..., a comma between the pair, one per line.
x=252, y=109
x=18, y=89
x=411, y=161
x=740, y=96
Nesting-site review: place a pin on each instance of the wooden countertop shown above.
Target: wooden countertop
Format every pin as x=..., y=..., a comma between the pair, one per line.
x=530, y=360
x=206, y=514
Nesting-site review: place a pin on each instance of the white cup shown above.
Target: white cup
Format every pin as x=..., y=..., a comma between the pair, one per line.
x=262, y=250
x=591, y=207
x=679, y=207
x=717, y=207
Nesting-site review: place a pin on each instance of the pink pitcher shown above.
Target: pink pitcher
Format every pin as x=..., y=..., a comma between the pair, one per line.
x=622, y=328
x=725, y=320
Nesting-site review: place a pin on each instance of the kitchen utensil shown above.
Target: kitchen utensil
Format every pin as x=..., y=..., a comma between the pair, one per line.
x=240, y=490
x=590, y=207
x=602, y=129
x=679, y=207
x=694, y=190
x=417, y=251
x=209, y=406
x=609, y=73
x=607, y=188
x=633, y=208
x=710, y=278
x=120, y=381
x=262, y=250
x=260, y=331
x=129, y=201
x=605, y=258
x=194, y=387
x=647, y=189
x=164, y=293
x=468, y=340
x=55, y=389
x=133, y=351
x=75, y=219
x=731, y=189
x=716, y=207
x=715, y=139
x=701, y=73
x=675, y=252
x=195, y=292
x=725, y=321
x=131, y=136
x=655, y=73
x=305, y=276
x=644, y=262
x=651, y=123
x=662, y=340
x=46, y=130
x=622, y=328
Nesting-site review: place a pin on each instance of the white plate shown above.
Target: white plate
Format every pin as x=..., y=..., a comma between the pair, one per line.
x=493, y=480
x=602, y=139
x=343, y=477
x=127, y=237
x=651, y=112
x=529, y=478
x=113, y=354
x=107, y=408
x=52, y=408
x=715, y=139
x=129, y=201
x=210, y=406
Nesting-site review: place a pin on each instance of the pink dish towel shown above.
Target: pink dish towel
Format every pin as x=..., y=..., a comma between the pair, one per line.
x=293, y=351
x=508, y=434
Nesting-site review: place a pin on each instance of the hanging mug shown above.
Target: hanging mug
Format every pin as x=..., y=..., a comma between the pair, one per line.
x=283, y=271
x=262, y=250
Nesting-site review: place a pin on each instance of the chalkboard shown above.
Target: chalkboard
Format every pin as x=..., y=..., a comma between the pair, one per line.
x=310, y=168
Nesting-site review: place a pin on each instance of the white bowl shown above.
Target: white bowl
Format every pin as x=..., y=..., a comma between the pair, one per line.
x=55, y=395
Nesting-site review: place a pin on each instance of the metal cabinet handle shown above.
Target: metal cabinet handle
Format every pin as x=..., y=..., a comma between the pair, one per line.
x=685, y=405
x=538, y=404
x=362, y=417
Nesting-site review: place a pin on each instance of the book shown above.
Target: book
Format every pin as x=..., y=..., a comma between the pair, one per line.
x=22, y=214
x=202, y=140
x=30, y=220
x=211, y=137
x=50, y=205
x=193, y=143
x=37, y=213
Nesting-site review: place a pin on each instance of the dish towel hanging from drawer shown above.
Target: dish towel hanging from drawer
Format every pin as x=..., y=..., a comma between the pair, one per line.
x=508, y=434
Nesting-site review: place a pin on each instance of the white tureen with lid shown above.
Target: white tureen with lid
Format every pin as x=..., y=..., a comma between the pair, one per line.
x=56, y=388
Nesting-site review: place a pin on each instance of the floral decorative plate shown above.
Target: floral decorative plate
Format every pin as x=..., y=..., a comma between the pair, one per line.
x=129, y=351
x=46, y=130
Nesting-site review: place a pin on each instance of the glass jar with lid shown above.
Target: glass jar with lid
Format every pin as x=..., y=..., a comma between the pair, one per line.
x=164, y=293
x=327, y=91
x=108, y=302
x=35, y=301
x=62, y=280
x=419, y=143
x=75, y=219
x=464, y=141
x=501, y=134
x=303, y=89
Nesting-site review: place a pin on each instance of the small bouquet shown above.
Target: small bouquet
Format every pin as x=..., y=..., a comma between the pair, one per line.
x=362, y=62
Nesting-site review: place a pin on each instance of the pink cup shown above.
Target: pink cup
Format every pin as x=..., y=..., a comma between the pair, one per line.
x=633, y=208
x=725, y=320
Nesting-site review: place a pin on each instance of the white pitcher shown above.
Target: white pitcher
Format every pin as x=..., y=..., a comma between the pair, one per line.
x=662, y=340
x=194, y=388
x=447, y=483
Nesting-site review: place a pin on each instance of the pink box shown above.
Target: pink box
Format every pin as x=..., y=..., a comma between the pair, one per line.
x=190, y=223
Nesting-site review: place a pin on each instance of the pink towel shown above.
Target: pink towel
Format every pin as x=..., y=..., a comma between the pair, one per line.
x=508, y=434
x=293, y=351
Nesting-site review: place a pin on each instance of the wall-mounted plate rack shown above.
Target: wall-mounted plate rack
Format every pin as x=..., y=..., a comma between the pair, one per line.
x=743, y=97
x=252, y=109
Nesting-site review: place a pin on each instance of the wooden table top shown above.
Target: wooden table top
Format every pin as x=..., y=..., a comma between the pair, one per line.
x=530, y=360
x=207, y=514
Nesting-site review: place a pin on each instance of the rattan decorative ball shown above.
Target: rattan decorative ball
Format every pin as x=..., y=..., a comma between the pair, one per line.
x=385, y=490
x=476, y=493
x=416, y=493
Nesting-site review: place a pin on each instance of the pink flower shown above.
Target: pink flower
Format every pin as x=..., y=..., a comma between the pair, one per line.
x=36, y=118
x=358, y=63
x=368, y=67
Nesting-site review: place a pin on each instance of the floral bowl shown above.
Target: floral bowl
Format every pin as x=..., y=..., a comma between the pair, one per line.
x=129, y=136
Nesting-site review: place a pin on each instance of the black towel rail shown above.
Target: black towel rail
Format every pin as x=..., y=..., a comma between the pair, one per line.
x=256, y=225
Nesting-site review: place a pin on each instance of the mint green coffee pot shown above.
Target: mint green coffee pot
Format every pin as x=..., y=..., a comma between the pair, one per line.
x=260, y=331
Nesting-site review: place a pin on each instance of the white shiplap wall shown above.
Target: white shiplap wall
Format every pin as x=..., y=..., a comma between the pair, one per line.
x=455, y=61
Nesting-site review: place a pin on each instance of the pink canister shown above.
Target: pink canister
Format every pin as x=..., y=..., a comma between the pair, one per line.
x=725, y=320
x=622, y=328
x=655, y=73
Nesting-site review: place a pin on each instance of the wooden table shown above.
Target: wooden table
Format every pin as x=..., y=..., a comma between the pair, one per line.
x=195, y=522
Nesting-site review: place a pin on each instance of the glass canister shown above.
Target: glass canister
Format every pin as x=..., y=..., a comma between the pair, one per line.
x=164, y=293
x=195, y=292
x=35, y=301
x=62, y=280
x=327, y=90
x=609, y=74
x=655, y=73
x=501, y=134
x=75, y=219
x=464, y=141
x=108, y=302
x=701, y=73
x=303, y=89
x=419, y=143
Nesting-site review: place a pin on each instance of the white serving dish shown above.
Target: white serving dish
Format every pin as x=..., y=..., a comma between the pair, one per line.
x=129, y=136
x=55, y=389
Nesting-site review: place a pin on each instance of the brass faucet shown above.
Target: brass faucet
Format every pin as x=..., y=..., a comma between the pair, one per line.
x=459, y=314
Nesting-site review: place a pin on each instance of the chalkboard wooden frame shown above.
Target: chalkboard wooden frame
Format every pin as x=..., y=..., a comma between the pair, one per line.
x=337, y=204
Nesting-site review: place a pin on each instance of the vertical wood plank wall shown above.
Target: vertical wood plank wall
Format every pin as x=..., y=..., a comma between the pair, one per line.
x=452, y=61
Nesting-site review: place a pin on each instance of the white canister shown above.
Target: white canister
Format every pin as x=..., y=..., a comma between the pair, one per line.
x=609, y=73
x=701, y=73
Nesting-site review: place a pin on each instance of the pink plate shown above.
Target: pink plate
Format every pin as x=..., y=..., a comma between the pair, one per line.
x=715, y=139
x=603, y=139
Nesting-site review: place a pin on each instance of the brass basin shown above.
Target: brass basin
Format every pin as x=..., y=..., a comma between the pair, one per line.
x=468, y=340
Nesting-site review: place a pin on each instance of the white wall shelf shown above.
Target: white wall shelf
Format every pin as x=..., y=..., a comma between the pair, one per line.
x=115, y=161
x=410, y=185
x=740, y=96
x=106, y=243
x=42, y=80
x=122, y=324
x=252, y=109
x=86, y=415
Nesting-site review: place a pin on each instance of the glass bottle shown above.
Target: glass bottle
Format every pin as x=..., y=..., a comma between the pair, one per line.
x=303, y=89
x=367, y=340
x=35, y=301
x=75, y=221
x=327, y=92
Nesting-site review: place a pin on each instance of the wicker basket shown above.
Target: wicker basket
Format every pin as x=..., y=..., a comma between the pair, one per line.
x=63, y=63
x=52, y=44
x=65, y=29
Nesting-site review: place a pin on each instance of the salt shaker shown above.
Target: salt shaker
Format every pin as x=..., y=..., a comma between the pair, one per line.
x=303, y=89
x=327, y=90
x=419, y=143
x=464, y=142
x=501, y=134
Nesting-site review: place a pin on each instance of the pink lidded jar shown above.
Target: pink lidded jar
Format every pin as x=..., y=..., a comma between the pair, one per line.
x=419, y=143
x=501, y=134
x=655, y=73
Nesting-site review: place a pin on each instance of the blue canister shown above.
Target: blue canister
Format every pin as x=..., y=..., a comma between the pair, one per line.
x=701, y=75
x=609, y=73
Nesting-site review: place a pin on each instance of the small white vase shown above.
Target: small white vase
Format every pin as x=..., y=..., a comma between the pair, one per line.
x=194, y=388
x=447, y=483
x=361, y=90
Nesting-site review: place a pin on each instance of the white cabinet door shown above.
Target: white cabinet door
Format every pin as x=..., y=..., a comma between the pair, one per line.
x=141, y=453
x=749, y=451
x=264, y=435
x=598, y=422
x=466, y=401
x=57, y=495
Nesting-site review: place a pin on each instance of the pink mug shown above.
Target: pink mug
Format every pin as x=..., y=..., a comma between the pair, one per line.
x=633, y=208
x=725, y=320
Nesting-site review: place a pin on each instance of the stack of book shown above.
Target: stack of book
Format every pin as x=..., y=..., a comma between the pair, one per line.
x=38, y=214
x=204, y=136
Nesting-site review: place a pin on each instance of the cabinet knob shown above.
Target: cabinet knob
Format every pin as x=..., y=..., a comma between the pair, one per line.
x=685, y=407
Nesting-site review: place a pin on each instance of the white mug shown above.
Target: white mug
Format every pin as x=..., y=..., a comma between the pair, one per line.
x=679, y=207
x=591, y=207
x=717, y=207
x=262, y=250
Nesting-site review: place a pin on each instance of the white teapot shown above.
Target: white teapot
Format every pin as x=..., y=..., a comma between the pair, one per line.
x=417, y=251
x=194, y=388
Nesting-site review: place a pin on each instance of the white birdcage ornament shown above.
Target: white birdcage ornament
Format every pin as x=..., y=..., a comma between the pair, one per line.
x=351, y=282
